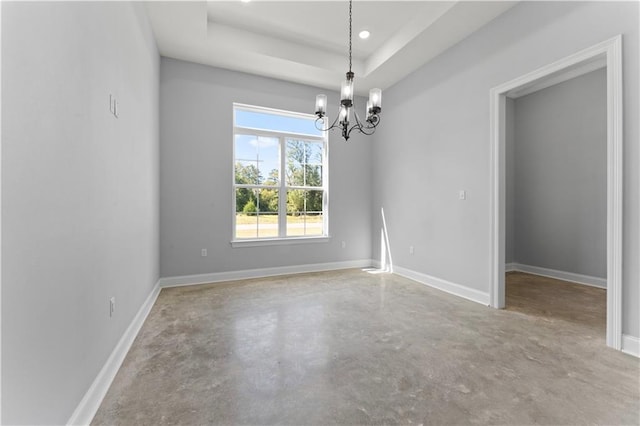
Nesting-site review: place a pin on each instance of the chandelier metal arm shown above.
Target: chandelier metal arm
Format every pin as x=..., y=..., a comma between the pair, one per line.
x=370, y=126
x=367, y=127
x=326, y=129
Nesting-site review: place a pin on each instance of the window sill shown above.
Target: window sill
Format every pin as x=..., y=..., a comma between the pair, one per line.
x=279, y=241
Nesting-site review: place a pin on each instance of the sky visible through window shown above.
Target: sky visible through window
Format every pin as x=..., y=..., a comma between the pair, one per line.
x=279, y=123
x=264, y=152
x=261, y=152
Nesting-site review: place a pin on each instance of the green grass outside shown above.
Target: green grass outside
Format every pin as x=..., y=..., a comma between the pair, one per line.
x=243, y=219
x=313, y=228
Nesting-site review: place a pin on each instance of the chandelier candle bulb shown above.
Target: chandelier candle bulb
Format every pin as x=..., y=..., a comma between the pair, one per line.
x=375, y=97
x=321, y=105
x=346, y=92
x=344, y=114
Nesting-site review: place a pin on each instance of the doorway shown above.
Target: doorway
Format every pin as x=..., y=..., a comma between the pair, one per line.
x=608, y=55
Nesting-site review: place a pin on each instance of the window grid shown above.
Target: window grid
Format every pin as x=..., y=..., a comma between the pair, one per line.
x=294, y=219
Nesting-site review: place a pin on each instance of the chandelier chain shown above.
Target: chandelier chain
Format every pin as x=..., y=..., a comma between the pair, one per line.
x=350, y=20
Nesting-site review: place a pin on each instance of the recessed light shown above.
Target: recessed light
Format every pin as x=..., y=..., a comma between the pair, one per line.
x=245, y=1
x=364, y=34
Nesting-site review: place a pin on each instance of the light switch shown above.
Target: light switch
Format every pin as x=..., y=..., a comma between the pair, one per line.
x=462, y=194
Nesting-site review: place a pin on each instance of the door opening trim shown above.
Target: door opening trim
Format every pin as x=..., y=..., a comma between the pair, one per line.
x=605, y=54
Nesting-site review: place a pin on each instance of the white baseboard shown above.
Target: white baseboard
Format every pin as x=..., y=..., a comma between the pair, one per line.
x=259, y=273
x=449, y=287
x=510, y=267
x=91, y=401
x=560, y=275
x=446, y=286
x=631, y=345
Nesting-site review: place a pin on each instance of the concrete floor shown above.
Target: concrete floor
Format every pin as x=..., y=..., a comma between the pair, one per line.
x=553, y=300
x=349, y=347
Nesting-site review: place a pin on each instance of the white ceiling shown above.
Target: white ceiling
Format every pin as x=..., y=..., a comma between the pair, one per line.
x=307, y=41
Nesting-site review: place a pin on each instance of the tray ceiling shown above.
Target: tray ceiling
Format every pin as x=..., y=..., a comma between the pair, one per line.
x=307, y=41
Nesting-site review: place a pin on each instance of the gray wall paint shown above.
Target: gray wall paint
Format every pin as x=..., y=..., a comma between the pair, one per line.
x=434, y=140
x=79, y=196
x=196, y=174
x=560, y=195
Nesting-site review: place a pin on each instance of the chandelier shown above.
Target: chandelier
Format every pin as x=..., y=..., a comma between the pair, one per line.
x=343, y=120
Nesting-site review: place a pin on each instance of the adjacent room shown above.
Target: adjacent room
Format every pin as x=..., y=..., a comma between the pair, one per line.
x=556, y=201
x=319, y=212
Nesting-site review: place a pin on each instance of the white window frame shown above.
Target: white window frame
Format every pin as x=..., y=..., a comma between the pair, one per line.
x=282, y=187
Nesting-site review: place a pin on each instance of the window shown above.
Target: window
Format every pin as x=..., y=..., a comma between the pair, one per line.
x=280, y=175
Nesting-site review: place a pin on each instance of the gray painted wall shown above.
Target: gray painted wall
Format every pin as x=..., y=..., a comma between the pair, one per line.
x=79, y=196
x=196, y=174
x=560, y=194
x=434, y=140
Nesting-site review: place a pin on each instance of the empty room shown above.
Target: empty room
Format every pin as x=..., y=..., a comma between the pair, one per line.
x=255, y=212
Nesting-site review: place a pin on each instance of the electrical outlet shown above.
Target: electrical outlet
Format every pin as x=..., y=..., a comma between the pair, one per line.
x=112, y=306
x=410, y=249
x=203, y=253
x=343, y=244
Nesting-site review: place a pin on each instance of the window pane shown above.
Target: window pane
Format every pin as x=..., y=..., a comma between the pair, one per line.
x=314, y=152
x=256, y=213
x=246, y=217
x=295, y=163
x=277, y=122
x=257, y=160
x=304, y=213
x=245, y=198
x=313, y=167
x=268, y=213
x=313, y=175
x=267, y=201
x=304, y=163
